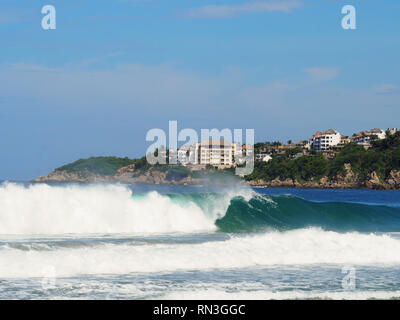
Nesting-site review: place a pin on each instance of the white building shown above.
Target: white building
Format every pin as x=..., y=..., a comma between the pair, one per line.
x=365, y=137
x=263, y=157
x=303, y=144
x=186, y=155
x=215, y=153
x=325, y=140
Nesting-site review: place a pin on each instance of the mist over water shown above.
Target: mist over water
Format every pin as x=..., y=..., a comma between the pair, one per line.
x=114, y=233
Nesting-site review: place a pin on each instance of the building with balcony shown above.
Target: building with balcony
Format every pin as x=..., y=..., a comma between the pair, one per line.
x=322, y=141
x=218, y=153
x=365, y=137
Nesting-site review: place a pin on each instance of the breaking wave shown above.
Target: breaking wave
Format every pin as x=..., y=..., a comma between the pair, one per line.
x=296, y=247
x=236, y=229
x=113, y=209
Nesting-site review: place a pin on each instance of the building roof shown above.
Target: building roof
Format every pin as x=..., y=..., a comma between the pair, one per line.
x=186, y=148
x=330, y=131
x=247, y=146
x=367, y=133
x=215, y=142
x=319, y=134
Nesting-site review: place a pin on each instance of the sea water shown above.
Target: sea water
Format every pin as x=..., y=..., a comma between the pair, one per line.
x=114, y=241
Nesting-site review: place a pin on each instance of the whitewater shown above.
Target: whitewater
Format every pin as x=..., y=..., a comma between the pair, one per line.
x=134, y=242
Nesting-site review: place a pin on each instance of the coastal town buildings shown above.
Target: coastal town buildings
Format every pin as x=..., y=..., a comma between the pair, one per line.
x=218, y=153
x=365, y=137
x=223, y=154
x=186, y=155
x=344, y=140
x=304, y=144
x=263, y=157
x=321, y=141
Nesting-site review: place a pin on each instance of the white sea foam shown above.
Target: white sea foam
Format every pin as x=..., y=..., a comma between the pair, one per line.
x=297, y=247
x=212, y=294
x=77, y=210
x=50, y=210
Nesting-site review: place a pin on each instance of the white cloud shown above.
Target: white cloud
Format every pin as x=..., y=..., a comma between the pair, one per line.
x=322, y=74
x=224, y=11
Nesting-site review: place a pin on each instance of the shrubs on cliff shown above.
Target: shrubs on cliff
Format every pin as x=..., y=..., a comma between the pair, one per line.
x=363, y=162
x=382, y=158
x=109, y=166
x=97, y=165
x=302, y=169
x=177, y=173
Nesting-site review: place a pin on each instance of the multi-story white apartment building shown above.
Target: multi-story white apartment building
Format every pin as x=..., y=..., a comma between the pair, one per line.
x=219, y=153
x=365, y=137
x=325, y=140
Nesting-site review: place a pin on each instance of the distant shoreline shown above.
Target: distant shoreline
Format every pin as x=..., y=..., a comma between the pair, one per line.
x=354, y=167
x=199, y=182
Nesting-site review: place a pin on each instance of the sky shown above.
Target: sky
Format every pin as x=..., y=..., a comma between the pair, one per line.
x=114, y=69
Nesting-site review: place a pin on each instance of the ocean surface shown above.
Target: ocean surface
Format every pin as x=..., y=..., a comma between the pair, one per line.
x=148, y=242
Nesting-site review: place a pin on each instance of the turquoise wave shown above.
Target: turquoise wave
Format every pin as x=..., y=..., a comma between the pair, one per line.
x=235, y=214
x=288, y=212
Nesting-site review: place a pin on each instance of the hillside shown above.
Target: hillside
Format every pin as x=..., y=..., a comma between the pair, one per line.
x=114, y=169
x=97, y=165
x=353, y=167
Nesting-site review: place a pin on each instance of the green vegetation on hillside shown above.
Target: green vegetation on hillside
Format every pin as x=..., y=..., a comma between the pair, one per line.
x=97, y=165
x=382, y=157
x=303, y=169
x=109, y=166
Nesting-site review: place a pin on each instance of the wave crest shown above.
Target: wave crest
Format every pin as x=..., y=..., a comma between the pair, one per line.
x=50, y=210
x=112, y=209
x=288, y=212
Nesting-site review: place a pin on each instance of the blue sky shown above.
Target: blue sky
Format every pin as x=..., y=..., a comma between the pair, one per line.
x=112, y=70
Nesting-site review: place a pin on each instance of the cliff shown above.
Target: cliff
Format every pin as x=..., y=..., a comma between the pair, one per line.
x=111, y=169
x=124, y=175
x=377, y=167
x=349, y=181
x=128, y=174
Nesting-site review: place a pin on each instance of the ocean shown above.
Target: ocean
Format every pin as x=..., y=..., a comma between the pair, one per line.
x=110, y=241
